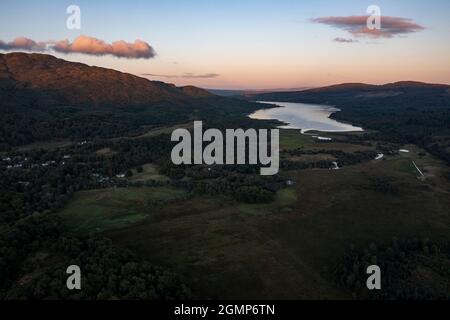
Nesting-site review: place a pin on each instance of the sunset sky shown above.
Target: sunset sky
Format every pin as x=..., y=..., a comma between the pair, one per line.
x=246, y=44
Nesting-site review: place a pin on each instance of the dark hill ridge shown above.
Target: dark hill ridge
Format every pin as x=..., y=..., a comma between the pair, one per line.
x=343, y=93
x=59, y=81
x=364, y=86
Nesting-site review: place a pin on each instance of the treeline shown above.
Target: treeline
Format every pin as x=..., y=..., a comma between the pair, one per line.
x=241, y=182
x=342, y=158
x=23, y=123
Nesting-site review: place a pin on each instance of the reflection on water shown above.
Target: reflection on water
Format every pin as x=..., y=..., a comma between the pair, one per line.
x=304, y=116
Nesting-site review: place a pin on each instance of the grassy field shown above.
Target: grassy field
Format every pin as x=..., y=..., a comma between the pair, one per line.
x=48, y=145
x=292, y=139
x=279, y=250
x=105, y=152
x=106, y=209
x=165, y=130
x=149, y=172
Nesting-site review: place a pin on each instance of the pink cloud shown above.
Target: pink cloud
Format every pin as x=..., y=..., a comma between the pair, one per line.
x=184, y=75
x=85, y=45
x=22, y=43
x=357, y=26
x=89, y=45
x=344, y=40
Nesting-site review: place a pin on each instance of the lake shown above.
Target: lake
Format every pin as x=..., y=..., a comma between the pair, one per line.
x=304, y=116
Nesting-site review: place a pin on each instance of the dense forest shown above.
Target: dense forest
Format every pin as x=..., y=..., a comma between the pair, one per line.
x=406, y=264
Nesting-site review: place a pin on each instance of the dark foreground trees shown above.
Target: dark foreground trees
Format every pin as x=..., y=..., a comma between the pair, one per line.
x=410, y=269
x=36, y=251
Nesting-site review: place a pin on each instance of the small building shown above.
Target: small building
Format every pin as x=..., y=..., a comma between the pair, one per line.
x=290, y=183
x=324, y=139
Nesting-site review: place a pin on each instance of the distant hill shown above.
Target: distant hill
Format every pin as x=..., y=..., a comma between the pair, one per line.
x=249, y=92
x=41, y=78
x=398, y=92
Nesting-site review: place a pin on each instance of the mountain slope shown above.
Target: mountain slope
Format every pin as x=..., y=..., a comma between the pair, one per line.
x=195, y=92
x=43, y=98
x=61, y=82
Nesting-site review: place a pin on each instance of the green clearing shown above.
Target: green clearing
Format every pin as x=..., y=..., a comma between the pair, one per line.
x=47, y=145
x=106, y=209
x=293, y=139
x=290, y=139
x=105, y=152
x=165, y=130
x=284, y=199
x=150, y=172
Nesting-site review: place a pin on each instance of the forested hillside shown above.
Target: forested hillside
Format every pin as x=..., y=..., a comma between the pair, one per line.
x=45, y=98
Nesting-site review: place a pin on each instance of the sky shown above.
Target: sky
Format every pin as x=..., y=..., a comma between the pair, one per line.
x=246, y=44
